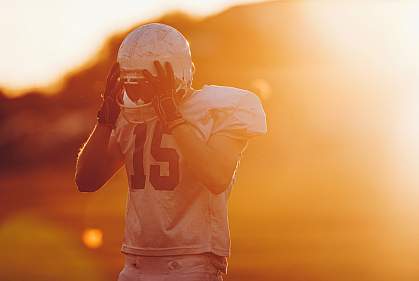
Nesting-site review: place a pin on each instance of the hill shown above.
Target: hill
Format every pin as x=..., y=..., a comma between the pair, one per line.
x=234, y=47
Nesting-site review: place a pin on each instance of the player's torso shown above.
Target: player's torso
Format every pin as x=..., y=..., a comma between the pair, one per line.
x=169, y=211
x=165, y=198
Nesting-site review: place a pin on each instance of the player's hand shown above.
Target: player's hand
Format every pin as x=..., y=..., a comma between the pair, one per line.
x=109, y=111
x=165, y=98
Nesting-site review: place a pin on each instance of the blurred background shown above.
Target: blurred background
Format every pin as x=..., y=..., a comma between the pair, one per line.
x=332, y=191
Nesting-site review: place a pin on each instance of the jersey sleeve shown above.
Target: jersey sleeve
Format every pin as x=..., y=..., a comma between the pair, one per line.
x=246, y=119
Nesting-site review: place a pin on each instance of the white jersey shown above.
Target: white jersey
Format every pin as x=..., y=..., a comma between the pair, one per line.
x=169, y=212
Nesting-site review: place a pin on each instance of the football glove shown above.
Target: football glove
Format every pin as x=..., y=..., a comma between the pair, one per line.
x=165, y=99
x=109, y=111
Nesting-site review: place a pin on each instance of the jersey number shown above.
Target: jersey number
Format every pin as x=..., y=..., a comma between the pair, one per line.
x=161, y=154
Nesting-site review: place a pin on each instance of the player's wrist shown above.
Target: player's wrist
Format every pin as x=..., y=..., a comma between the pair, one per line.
x=175, y=124
x=168, y=112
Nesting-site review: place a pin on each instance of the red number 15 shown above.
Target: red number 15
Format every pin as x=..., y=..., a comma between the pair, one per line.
x=160, y=154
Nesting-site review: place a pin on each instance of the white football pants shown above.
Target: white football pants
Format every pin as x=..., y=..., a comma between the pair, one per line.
x=202, y=267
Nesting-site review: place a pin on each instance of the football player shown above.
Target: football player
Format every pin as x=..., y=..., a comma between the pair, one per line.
x=181, y=148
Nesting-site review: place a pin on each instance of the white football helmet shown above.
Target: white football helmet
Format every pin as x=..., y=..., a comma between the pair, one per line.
x=138, y=51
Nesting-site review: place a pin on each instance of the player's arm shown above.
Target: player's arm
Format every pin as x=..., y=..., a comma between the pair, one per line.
x=98, y=160
x=212, y=162
x=100, y=157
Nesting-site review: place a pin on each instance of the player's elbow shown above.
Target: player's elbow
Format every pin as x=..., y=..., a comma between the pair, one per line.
x=86, y=184
x=218, y=180
x=218, y=184
x=217, y=189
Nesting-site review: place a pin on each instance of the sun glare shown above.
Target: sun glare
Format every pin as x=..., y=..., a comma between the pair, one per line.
x=379, y=42
x=262, y=88
x=92, y=238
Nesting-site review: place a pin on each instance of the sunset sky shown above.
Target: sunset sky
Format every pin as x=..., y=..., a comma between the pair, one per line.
x=42, y=40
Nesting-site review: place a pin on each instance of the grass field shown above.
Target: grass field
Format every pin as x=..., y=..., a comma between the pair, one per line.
x=279, y=231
